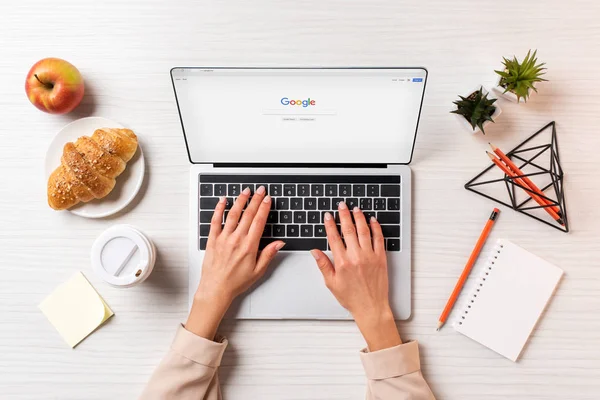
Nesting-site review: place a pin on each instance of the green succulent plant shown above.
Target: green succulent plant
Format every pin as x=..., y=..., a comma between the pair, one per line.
x=519, y=78
x=476, y=108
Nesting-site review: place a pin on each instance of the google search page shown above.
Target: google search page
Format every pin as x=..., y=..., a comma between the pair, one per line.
x=299, y=115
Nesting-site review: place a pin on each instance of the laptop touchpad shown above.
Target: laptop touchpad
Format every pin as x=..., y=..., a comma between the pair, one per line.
x=294, y=288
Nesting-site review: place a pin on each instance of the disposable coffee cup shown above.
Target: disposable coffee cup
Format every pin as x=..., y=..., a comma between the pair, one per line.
x=123, y=256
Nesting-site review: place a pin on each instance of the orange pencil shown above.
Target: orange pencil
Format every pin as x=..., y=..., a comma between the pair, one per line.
x=526, y=179
x=520, y=181
x=467, y=270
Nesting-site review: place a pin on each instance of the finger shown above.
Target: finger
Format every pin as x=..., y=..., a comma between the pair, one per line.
x=251, y=210
x=378, y=240
x=362, y=229
x=333, y=236
x=217, y=219
x=267, y=255
x=260, y=219
x=348, y=229
x=234, y=214
x=324, y=264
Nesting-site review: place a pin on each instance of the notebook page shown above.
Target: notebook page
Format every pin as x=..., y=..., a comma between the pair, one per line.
x=509, y=300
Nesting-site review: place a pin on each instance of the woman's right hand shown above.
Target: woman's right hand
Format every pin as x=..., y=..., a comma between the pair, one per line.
x=358, y=276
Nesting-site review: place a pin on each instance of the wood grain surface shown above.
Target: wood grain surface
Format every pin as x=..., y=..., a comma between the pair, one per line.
x=125, y=48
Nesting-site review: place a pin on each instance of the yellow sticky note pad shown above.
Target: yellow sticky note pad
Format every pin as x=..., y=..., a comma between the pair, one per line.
x=75, y=309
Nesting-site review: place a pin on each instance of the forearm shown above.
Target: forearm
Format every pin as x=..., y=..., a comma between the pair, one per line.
x=395, y=373
x=206, y=314
x=393, y=368
x=189, y=369
x=379, y=329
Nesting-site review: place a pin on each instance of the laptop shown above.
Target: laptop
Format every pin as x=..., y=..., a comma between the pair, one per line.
x=313, y=137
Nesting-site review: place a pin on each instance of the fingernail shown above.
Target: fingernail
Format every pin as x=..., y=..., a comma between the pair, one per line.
x=315, y=254
x=355, y=209
x=327, y=216
x=342, y=205
x=260, y=190
x=267, y=199
x=222, y=199
x=279, y=245
x=373, y=219
x=246, y=191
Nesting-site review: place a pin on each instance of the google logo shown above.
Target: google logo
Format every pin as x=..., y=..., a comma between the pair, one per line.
x=304, y=103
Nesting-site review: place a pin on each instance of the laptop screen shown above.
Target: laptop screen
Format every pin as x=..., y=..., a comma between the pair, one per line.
x=299, y=116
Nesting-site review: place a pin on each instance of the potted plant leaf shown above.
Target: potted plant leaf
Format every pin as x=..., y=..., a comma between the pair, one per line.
x=517, y=80
x=476, y=110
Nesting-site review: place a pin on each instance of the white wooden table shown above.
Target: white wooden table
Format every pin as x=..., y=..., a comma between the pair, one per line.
x=125, y=49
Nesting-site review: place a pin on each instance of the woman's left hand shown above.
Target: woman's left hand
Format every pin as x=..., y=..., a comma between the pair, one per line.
x=232, y=262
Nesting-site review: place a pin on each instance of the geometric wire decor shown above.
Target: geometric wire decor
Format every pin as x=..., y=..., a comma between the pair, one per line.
x=539, y=161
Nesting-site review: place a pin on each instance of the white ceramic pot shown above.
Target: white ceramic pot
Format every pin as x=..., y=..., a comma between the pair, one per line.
x=499, y=90
x=463, y=121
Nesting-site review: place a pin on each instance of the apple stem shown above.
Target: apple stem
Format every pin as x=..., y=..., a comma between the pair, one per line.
x=48, y=85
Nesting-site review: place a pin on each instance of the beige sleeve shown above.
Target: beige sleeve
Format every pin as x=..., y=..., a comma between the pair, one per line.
x=395, y=374
x=189, y=370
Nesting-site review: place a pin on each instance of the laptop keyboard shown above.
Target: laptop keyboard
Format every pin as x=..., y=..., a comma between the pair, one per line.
x=300, y=202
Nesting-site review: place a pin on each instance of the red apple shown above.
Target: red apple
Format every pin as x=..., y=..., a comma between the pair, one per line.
x=54, y=86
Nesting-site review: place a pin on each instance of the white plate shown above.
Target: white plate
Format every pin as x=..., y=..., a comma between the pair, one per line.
x=128, y=183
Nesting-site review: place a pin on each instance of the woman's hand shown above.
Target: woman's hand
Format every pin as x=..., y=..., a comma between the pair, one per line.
x=231, y=262
x=358, y=276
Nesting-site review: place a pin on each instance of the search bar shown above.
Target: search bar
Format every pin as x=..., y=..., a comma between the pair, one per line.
x=306, y=113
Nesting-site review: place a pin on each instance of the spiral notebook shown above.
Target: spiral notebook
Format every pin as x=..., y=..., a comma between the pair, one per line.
x=508, y=299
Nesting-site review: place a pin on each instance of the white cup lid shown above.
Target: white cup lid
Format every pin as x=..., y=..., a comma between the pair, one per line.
x=122, y=255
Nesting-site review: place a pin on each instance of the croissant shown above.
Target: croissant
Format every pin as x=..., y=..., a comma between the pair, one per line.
x=89, y=166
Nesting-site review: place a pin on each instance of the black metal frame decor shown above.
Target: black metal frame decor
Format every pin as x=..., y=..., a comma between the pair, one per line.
x=555, y=172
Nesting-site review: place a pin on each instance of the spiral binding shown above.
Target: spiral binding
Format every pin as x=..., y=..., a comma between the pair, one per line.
x=479, y=283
